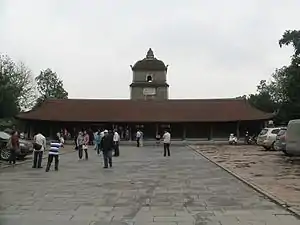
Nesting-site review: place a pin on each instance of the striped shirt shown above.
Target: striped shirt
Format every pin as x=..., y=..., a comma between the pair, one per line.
x=54, y=148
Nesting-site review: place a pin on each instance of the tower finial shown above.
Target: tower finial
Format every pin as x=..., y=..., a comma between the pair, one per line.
x=150, y=54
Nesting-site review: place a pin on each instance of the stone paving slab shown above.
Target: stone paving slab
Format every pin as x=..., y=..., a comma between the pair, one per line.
x=271, y=171
x=142, y=188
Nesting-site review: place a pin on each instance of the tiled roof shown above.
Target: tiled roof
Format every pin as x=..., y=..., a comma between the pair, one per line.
x=149, y=65
x=187, y=110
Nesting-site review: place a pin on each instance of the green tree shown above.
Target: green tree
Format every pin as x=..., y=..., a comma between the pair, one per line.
x=263, y=98
x=17, y=91
x=291, y=37
x=291, y=107
x=49, y=85
x=282, y=92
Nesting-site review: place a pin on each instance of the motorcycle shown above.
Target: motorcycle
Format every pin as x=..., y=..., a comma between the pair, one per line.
x=232, y=140
x=250, y=140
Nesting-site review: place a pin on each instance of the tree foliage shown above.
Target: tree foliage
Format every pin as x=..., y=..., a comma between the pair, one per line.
x=282, y=92
x=291, y=37
x=49, y=85
x=263, y=99
x=17, y=91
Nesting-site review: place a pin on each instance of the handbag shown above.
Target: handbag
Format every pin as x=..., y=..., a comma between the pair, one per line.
x=84, y=147
x=37, y=146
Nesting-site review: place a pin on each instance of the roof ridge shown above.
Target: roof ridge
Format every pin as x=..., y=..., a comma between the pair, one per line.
x=142, y=100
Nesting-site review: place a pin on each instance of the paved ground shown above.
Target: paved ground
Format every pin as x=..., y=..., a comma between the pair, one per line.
x=270, y=170
x=143, y=188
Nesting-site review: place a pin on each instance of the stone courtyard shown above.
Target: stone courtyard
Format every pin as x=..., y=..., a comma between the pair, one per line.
x=142, y=188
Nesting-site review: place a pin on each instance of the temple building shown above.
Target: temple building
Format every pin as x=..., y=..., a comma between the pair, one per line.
x=149, y=109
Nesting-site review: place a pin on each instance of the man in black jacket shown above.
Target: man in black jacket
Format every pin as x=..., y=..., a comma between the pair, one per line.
x=107, y=145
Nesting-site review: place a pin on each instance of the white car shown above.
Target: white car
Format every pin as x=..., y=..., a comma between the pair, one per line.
x=267, y=137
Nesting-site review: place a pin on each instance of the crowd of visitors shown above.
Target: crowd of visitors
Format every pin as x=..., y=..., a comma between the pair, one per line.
x=105, y=141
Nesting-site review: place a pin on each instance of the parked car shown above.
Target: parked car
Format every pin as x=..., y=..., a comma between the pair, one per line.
x=267, y=137
x=26, y=147
x=293, y=138
x=280, y=143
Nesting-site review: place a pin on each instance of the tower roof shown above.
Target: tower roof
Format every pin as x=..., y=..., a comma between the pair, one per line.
x=149, y=63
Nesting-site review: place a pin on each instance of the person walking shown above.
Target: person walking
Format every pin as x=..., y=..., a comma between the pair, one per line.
x=106, y=147
x=13, y=145
x=138, y=138
x=116, y=139
x=53, y=154
x=39, y=146
x=166, y=141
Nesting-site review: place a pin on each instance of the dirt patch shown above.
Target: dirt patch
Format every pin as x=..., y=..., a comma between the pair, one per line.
x=272, y=171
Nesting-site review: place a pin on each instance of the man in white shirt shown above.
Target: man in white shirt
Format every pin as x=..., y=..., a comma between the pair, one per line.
x=167, y=141
x=138, y=138
x=116, y=139
x=39, y=145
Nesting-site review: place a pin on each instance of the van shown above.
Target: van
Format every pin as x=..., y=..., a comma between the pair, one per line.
x=293, y=138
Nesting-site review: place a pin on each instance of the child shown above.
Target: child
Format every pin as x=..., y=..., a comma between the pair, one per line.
x=53, y=153
x=157, y=137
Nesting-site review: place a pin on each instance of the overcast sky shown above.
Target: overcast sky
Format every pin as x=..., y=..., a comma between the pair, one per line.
x=213, y=48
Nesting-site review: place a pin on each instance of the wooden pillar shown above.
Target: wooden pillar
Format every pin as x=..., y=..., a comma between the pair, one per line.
x=130, y=134
x=50, y=131
x=30, y=135
x=184, y=132
x=238, y=130
x=211, y=132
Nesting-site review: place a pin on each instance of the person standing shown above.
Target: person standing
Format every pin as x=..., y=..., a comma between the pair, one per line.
x=167, y=141
x=116, y=139
x=38, y=149
x=101, y=134
x=80, y=143
x=13, y=145
x=94, y=141
x=106, y=147
x=86, y=142
x=138, y=138
x=75, y=138
x=58, y=135
x=97, y=142
x=53, y=154
x=127, y=136
x=142, y=139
